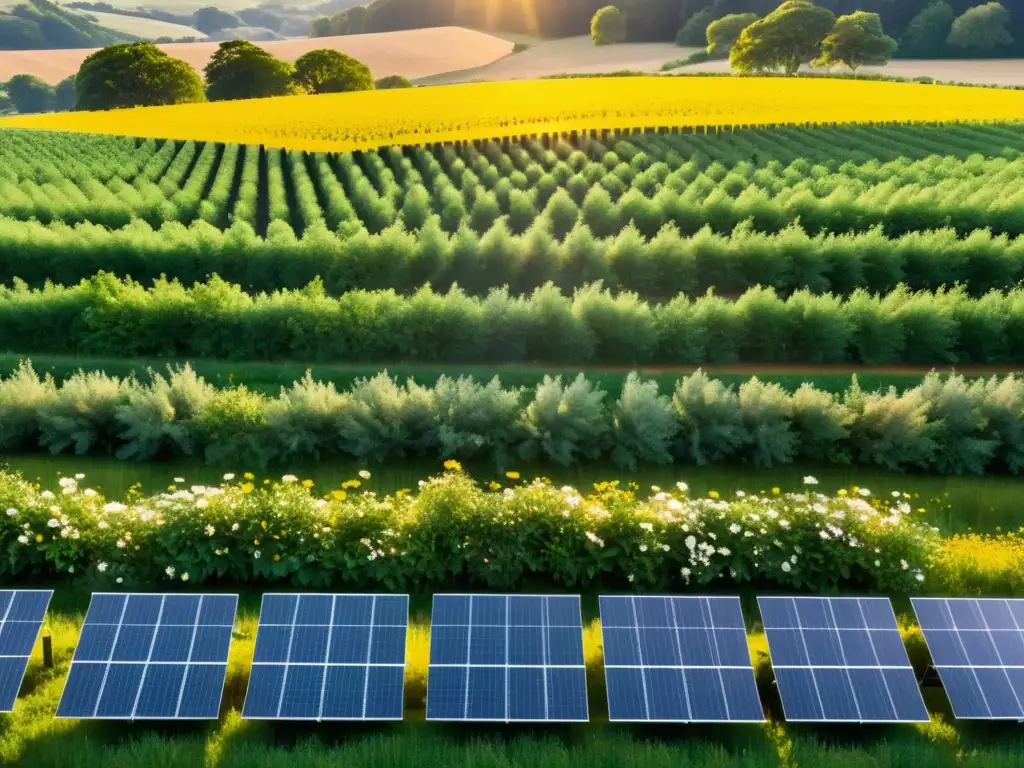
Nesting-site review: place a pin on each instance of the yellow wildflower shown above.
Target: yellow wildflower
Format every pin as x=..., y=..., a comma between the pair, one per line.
x=512, y=475
x=276, y=558
x=256, y=542
x=842, y=492
x=713, y=494
x=264, y=524
x=339, y=495
x=494, y=486
x=776, y=491
x=307, y=483
x=247, y=487
x=453, y=466
x=39, y=538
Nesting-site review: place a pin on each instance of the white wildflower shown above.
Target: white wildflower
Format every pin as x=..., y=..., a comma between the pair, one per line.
x=169, y=570
x=824, y=535
x=202, y=503
x=12, y=512
x=665, y=548
x=919, y=576
x=864, y=492
x=184, y=576
x=46, y=495
x=649, y=527
x=724, y=551
x=114, y=506
x=735, y=528
x=595, y=539
x=179, y=479
x=878, y=563
x=229, y=476
x=289, y=479
x=683, y=487
x=810, y=480
x=256, y=554
x=120, y=543
x=741, y=494
x=234, y=527
x=691, y=542
x=101, y=566
x=904, y=565
x=120, y=580
x=79, y=476
x=23, y=539
x=787, y=567
x=53, y=523
x=210, y=530
x=89, y=492
x=643, y=547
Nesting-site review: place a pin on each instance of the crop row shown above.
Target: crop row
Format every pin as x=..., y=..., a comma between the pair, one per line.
x=947, y=425
x=107, y=316
x=656, y=268
x=607, y=184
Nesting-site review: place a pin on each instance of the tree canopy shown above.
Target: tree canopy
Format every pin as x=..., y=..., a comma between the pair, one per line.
x=209, y=20
x=785, y=39
x=327, y=71
x=133, y=75
x=723, y=33
x=925, y=35
x=981, y=28
x=608, y=26
x=29, y=94
x=239, y=69
x=392, y=81
x=856, y=39
x=694, y=32
x=64, y=95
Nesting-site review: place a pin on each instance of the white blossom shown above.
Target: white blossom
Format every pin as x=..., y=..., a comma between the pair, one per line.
x=289, y=479
x=169, y=571
x=23, y=539
x=864, y=492
x=649, y=527
x=114, y=506
x=256, y=555
x=786, y=567
x=184, y=576
x=120, y=580
x=53, y=523
x=179, y=479
x=810, y=480
x=229, y=476
x=691, y=542
x=210, y=530
x=12, y=512
x=735, y=528
x=101, y=566
x=364, y=473
x=120, y=543
x=80, y=476
x=683, y=487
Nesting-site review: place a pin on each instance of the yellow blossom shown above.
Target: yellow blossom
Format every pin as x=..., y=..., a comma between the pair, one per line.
x=494, y=486
x=307, y=483
x=39, y=538
x=276, y=558
x=512, y=475
x=713, y=494
x=453, y=466
x=842, y=492
x=247, y=487
x=249, y=476
x=775, y=491
x=264, y=524
x=256, y=542
x=339, y=495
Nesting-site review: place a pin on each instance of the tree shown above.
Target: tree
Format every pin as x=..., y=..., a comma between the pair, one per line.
x=392, y=81
x=856, y=39
x=327, y=71
x=926, y=33
x=608, y=26
x=29, y=94
x=209, y=20
x=981, y=28
x=723, y=33
x=134, y=75
x=786, y=38
x=240, y=70
x=64, y=95
x=694, y=32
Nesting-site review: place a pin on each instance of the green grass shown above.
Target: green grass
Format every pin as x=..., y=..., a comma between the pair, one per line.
x=270, y=377
x=32, y=737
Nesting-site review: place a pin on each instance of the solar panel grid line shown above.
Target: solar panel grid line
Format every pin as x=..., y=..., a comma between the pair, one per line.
x=191, y=650
x=23, y=614
x=999, y=655
x=545, y=645
x=639, y=645
x=291, y=640
x=369, y=653
x=327, y=657
x=149, y=657
x=113, y=646
x=508, y=600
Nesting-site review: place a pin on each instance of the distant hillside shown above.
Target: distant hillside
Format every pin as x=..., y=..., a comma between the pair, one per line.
x=647, y=20
x=40, y=24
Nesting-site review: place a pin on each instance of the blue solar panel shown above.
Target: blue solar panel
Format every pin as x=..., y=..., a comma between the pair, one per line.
x=507, y=658
x=840, y=660
x=21, y=616
x=977, y=646
x=677, y=659
x=150, y=657
x=329, y=657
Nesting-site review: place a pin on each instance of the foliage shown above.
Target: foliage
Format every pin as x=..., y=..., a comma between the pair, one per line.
x=65, y=95
x=981, y=28
x=980, y=565
x=947, y=425
x=486, y=111
x=608, y=26
x=925, y=36
x=41, y=24
x=240, y=70
x=392, y=81
x=325, y=70
x=210, y=20
x=498, y=538
x=785, y=39
x=855, y=40
x=693, y=33
x=30, y=94
x=723, y=33
x=132, y=75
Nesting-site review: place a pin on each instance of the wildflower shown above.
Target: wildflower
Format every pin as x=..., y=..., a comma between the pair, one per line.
x=691, y=542
x=53, y=523
x=665, y=548
x=643, y=547
x=289, y=479
x=46, y=495
x=114, y=506
x=120, y=543
x=735, y=528
x=740, y=494
x=595, y=539
x=247, y=487
x=71, y=569
x=101, y=566
x=786, y=567
x=256, y=555
x=792, y=559
x=904, y=565
x=202, y=503
x=339, y=495
x=494, y=486
x=12, y=512
x=248, y=476
x=229, y=476
x=713, y=494
x=784, y=525
x=210, y=530
x=776, y=491
x=39, y=538
x=307, y=483
x=810, y=480
x=184, y=576
x=234, y=527
x=179, y=479
x=263, y=524
x=364, y=473
x=80, y=476
x=256, y=542
x=23, y=539
x=169, y=570
x=864, y=492
x=683, y=487
x=120, y=580
x=631, y=577
x=512, y=475
x=649, y=527
x=724, y=551
x=452, y=465
x=824, y=535
x=842, y=492
x=919, y=576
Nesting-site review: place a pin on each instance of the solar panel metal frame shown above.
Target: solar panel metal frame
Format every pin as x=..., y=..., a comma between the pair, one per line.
x=24, y=658
x=768, y=634
x=973, y=667
x=148, y=663
x=327, y=665
x=749, y=666
x=545, y=667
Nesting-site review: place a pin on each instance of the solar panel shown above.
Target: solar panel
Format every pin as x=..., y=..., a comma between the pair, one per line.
x=840, y=659
x=21, y=616
x=677, y=659
x=150, y=657
x=507, y=658
x=977, y=646
x=329, y=657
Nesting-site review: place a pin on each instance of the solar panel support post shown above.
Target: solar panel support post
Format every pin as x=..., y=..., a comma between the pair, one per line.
x=47, y=652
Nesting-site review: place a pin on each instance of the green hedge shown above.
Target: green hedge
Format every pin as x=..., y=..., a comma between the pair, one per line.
x=947, y=425
x=452, y=528
x=107, y=316
x=658, y=264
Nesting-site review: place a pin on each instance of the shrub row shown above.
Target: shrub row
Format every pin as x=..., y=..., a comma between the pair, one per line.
x=656, y=267
x=107, y=316
x=452, y=528
x=947, y=425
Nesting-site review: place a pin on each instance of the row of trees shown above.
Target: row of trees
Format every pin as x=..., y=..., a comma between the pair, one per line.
x=106, y=316
x=949, y=425
x=27, y=94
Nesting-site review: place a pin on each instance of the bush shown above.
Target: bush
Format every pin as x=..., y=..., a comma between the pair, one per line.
x=392, y=81
x=284, y=532
x=608, y=26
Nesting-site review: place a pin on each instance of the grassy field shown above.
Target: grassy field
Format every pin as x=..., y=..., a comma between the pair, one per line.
x=480, y=111
x=147, y=29
x=31, y=737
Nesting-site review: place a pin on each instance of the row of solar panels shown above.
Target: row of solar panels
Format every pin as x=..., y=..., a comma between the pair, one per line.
x=520, y=657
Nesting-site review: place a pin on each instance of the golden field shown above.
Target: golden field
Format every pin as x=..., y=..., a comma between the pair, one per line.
x=371, y=119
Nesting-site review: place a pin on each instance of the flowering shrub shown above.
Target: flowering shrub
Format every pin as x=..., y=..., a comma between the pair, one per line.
x=451, y=527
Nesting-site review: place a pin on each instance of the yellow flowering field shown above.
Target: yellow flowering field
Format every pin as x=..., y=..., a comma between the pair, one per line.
x=338, y=122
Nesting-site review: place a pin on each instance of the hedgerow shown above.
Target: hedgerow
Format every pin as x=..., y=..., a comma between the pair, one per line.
x=946, y=425
x=452, y=528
